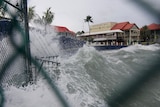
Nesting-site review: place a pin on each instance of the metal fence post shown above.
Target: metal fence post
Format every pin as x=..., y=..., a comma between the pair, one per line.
x=27, y=44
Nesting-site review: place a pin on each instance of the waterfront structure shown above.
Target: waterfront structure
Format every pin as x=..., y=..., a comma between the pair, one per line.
x=131, y=32
x=68, y=43
x=111, y=33
x=61, y=30
x=154, y=32
x=102, y=27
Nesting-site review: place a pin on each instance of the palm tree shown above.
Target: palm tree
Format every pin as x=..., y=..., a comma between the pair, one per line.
x=88, y=20
x=48, y=16
x=2, y=11
x=31, y=13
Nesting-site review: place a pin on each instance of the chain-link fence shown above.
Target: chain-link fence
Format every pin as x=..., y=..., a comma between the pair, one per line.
x=19, y=68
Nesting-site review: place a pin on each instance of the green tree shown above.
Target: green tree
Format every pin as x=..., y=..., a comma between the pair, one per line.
x=88, y=20
x=48, y=16
x=2, y=13
x=145, y=34
x=31, y=13
x=2, y=10
x=80, y=32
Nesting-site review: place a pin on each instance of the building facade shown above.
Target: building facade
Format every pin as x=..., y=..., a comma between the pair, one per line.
x=102, y=27
x=61, y=30
x=155, y=32
x=131, y=32
x=112, y=33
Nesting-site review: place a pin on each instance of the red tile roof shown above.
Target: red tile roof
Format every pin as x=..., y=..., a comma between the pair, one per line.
x=128, y=26
x=119, y=26
x=123, y=26
x=63, y=29
x=154, y=26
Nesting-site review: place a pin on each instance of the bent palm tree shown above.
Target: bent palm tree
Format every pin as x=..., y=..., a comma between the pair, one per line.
x=88, y=20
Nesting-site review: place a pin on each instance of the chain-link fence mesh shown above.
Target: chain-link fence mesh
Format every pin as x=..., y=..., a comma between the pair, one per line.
x=13, y=58
x=14, y=53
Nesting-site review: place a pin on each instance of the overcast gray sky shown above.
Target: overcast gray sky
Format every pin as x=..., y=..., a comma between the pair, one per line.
x=71, y=13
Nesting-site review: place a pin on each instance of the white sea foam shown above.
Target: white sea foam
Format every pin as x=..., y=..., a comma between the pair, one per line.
x=133, y=48
x=38, y=95
x=78, y=88
x=85, y=78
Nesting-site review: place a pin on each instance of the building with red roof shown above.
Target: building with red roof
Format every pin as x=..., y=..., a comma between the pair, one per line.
x=154, y=32
x=129, y=26
x=119, y=25
x=124, y=26
x=154, y=26
x=112, y=33
x=131, y=31
x=61, y=30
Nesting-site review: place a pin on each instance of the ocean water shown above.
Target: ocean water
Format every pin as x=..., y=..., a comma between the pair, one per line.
x=88, y=77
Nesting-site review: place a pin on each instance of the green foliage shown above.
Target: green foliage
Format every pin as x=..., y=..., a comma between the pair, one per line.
x=145, y=34
x=90, y=39
x=31, y=13
x=48, y=16
x=80, y=32
x=2, y=10
x=2, y=13
x=88, y=20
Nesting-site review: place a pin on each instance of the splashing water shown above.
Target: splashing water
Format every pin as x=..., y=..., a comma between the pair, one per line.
x=87, y=77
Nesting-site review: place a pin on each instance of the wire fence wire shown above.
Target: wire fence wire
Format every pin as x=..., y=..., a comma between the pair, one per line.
x=13, y=68
x=17, y=50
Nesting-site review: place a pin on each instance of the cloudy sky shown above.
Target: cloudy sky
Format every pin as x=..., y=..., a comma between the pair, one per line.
x=71, y=13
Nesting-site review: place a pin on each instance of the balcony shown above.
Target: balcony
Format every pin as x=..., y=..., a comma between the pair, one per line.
x=105, y=38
